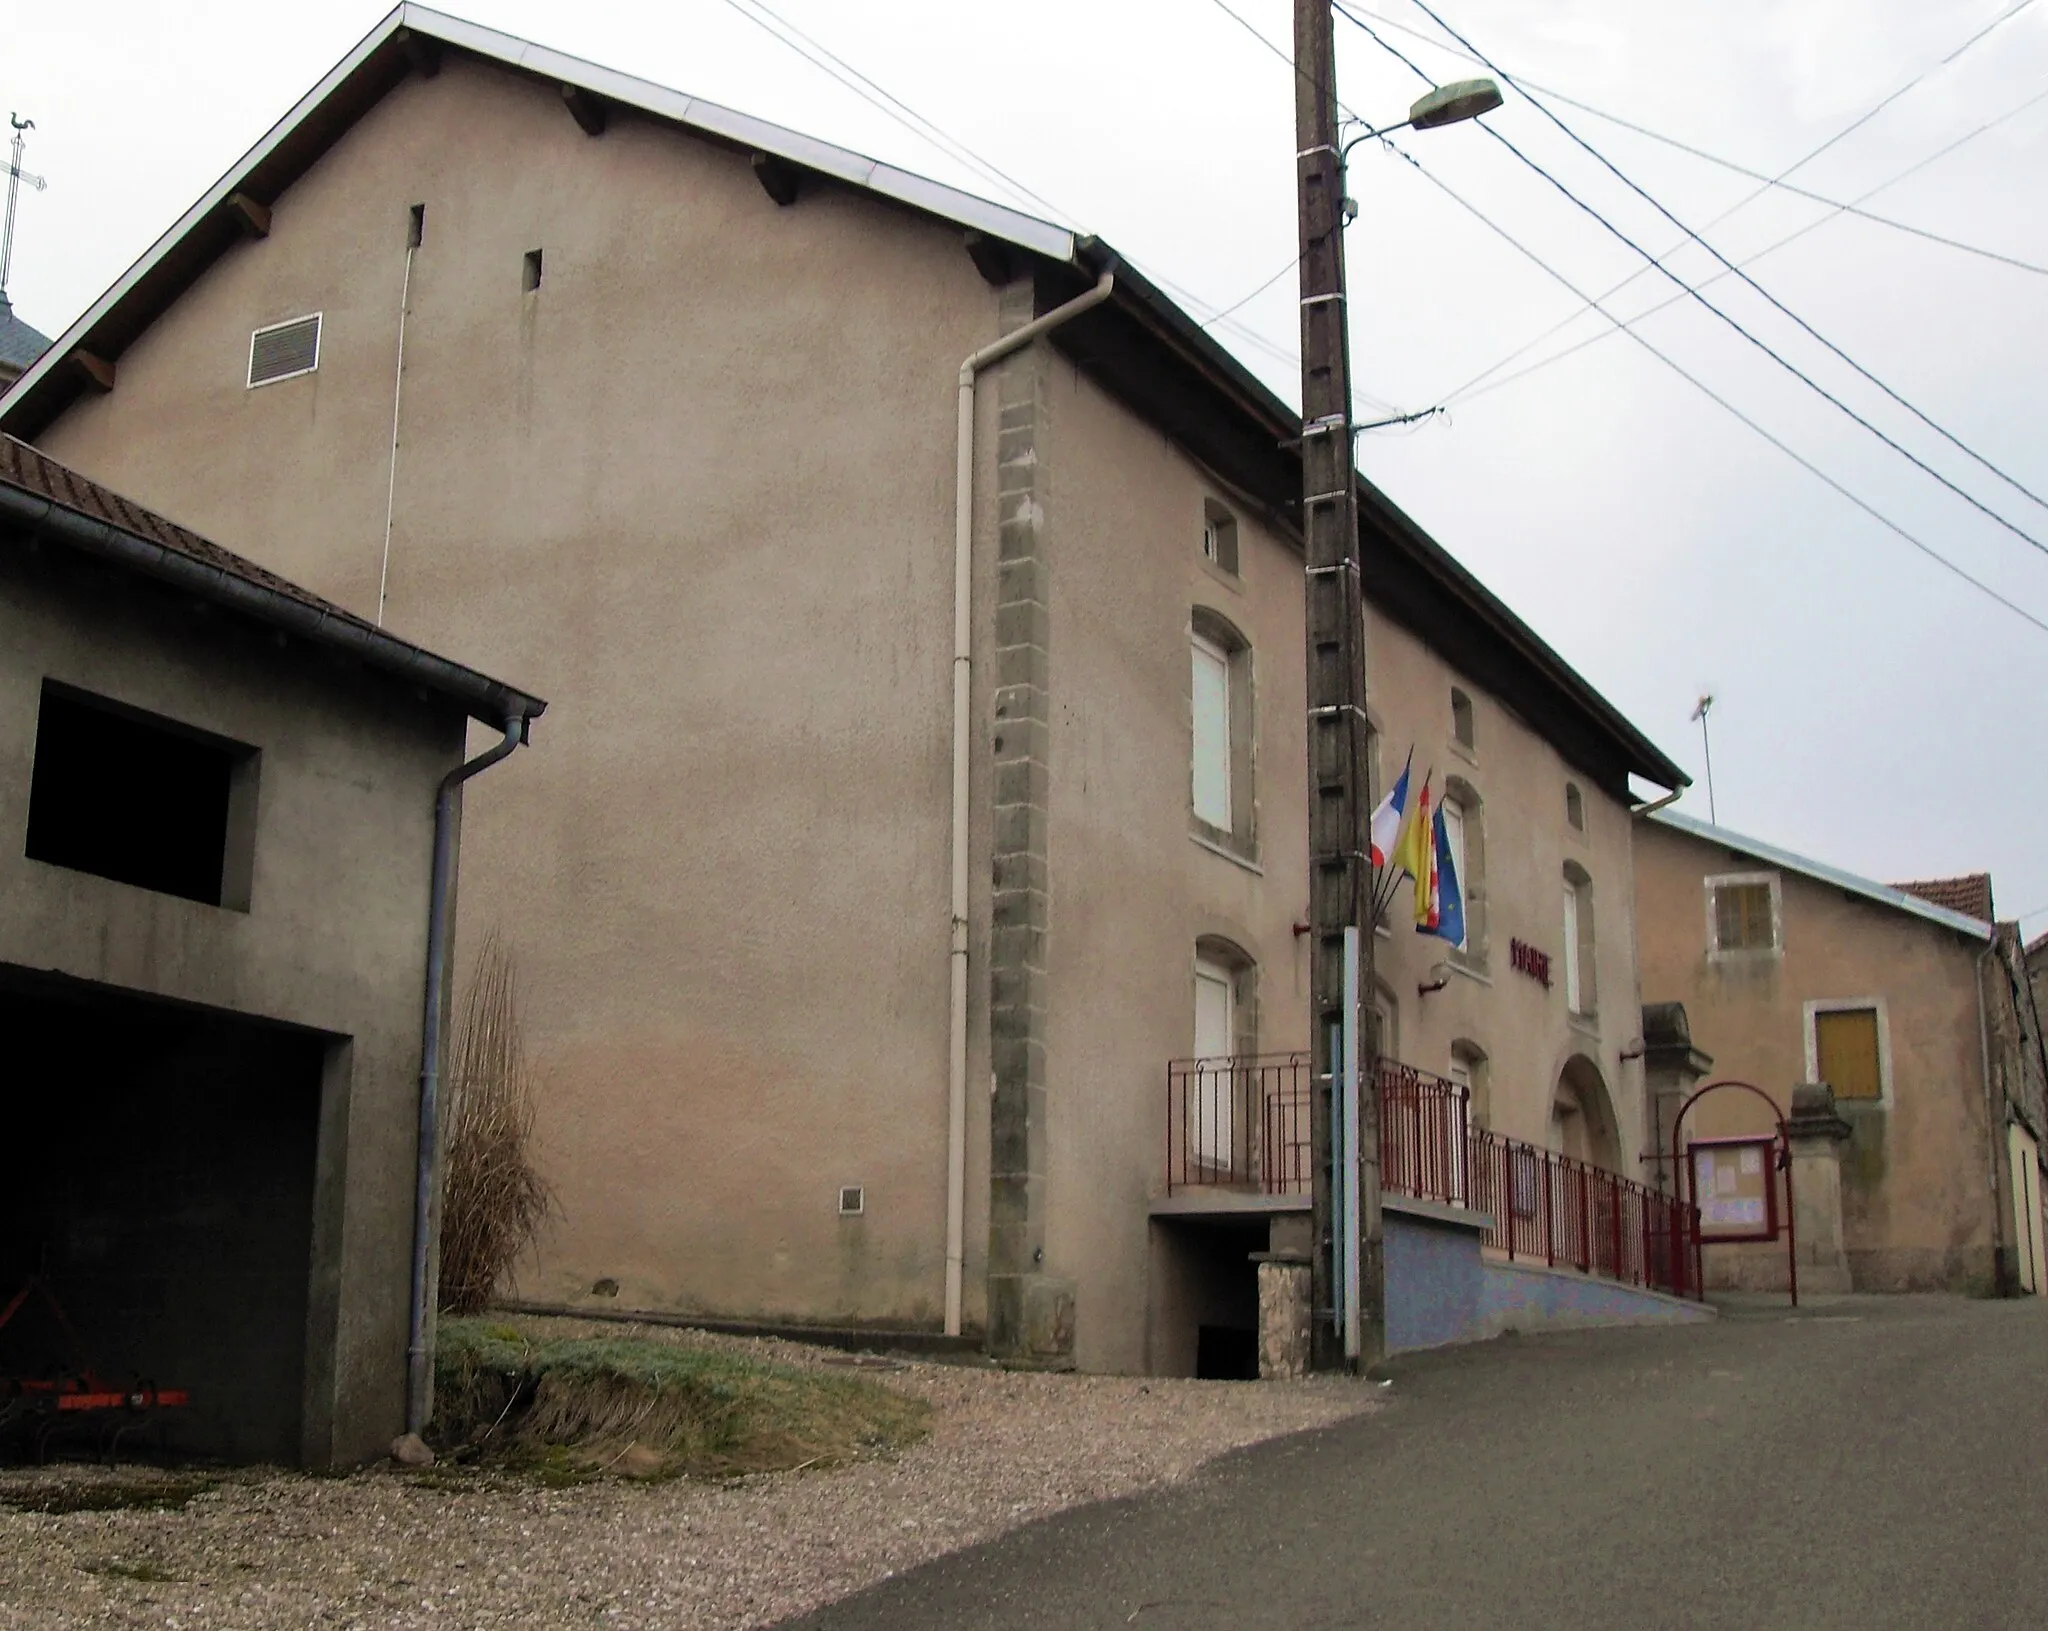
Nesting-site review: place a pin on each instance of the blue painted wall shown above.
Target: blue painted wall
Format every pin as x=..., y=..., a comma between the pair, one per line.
x=1435, y=1282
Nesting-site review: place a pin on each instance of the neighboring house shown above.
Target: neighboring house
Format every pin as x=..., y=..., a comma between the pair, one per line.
x=677, y=436
x=1907, y=1000
x=20, y=345
x=218, y=805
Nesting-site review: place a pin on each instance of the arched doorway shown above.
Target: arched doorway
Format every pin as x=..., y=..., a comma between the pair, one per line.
x=1582, y=1120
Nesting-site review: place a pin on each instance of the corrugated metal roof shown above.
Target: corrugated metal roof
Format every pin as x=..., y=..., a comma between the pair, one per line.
x=1883, y=894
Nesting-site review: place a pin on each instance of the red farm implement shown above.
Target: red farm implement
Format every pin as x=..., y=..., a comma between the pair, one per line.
x=80, y=1403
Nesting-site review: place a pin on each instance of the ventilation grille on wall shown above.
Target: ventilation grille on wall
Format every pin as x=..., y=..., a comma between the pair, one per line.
x=853, y=1201
x=284, y=350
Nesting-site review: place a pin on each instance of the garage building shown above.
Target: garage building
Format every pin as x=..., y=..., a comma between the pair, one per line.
x=228, y=817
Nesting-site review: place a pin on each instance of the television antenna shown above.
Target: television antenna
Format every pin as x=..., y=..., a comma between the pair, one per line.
x=1699, y=713
x=16, y=175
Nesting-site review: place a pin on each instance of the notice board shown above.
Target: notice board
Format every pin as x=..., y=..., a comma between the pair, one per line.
x=1735, y=1186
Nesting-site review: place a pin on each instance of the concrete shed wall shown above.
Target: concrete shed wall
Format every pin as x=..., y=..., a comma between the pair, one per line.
x=334, y=940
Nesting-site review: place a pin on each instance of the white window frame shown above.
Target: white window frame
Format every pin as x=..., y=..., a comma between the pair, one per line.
x=319, y=321
x=1776, y=883
x=1838, y=1005
x=1200, y=647
x=1214, y=1116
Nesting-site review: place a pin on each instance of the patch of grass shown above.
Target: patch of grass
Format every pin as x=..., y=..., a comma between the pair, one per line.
x=573, y=1408
x=112, y=1495
x=114, y=1568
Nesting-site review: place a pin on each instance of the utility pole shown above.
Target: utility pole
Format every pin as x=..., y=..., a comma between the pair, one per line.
x=1339, y=846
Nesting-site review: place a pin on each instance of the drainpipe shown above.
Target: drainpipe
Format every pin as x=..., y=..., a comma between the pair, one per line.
x=963, y=662
x=419, y=1393
x=1994, y=1123
x=1655, y=805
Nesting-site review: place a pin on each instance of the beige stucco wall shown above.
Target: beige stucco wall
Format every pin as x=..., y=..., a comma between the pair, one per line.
x=1917, y=1206
x=1522, y=1028
x=334, y=938
x=1133, y=891
x=697, y=490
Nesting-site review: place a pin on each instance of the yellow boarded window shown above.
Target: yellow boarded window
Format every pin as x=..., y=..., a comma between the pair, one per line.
x=1742, y=917
x=1845, y=1047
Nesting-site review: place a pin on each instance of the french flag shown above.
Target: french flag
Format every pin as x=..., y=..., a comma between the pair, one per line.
x=1386, y=820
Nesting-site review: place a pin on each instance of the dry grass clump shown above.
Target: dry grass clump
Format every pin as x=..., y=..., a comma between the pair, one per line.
x=583, y=1406
x=493, y=1201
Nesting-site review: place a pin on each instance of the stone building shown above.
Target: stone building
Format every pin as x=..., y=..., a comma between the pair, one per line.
x=926, y=784
x=1908, y=1001
x=220, y=804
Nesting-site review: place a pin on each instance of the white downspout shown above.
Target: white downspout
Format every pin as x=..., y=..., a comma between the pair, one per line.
x=963, y=663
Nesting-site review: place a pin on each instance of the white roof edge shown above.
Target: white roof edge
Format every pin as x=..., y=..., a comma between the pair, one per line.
x=1882, y=893
x=856, y=169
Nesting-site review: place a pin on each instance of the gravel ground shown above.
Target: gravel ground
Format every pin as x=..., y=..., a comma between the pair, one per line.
x=385, y=1549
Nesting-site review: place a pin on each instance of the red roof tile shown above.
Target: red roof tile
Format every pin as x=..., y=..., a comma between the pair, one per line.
x=1970, y=894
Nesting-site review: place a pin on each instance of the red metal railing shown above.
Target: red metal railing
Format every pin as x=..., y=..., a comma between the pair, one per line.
x=1243, y=1123
x=1239, y=1123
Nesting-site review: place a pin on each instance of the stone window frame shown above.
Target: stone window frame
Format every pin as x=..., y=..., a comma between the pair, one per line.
x=1477, y=1063
x=1471, y=803
x=1585, y=953
x=1240, y=840
x=1718, y=953
x=1816, y=1006
x=1464, y=737
x=1222, y=542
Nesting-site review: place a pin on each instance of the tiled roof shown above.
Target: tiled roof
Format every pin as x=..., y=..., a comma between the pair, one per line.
x=29, y=471
x=1970, y=894
x=20, y=345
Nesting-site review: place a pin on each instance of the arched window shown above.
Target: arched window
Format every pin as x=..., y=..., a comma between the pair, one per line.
x=1582, y=1122
x=1471, y=1071
x=1465, y=828
x=1574, y=807
x=1581, y=984
x=1462, y=731
x=1220, y=779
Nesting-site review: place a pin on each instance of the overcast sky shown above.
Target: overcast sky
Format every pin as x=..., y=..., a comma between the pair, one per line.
x=1871, y=709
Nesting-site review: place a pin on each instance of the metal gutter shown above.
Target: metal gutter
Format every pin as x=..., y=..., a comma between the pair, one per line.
x=482, y=697
x=1883, y=894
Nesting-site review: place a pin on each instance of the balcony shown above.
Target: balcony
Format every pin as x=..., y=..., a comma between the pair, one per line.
x=1238, y=1130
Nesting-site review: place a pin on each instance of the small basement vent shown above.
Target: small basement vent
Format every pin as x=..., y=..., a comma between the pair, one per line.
x=284, y=350
x=853, y=1201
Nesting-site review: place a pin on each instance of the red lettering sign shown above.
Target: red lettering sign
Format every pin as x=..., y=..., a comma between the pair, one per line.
x=1530, y=961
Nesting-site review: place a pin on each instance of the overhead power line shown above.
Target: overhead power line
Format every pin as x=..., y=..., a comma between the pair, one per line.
x=1770, y=182
x=1768, y=350
x=1467, y=390
x=1778, y=305
x=878, y=96
x=1721, y=401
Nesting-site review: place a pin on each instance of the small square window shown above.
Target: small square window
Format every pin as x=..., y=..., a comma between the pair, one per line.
x=1743, y=913
x=141, y=800
x=1462, y=729
x=1219, y=537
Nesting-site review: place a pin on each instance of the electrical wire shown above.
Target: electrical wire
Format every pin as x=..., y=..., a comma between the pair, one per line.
x=1778, y=305
x=1770, y=182
x=878, y=96
x=1467, y=390
x=1714, y=396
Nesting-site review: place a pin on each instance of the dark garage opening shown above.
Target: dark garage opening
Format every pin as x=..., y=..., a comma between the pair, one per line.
x=1211, y=1282
x=161, y=1183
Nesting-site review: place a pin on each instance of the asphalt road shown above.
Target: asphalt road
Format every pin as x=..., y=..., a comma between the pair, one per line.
x=1867, y=1462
